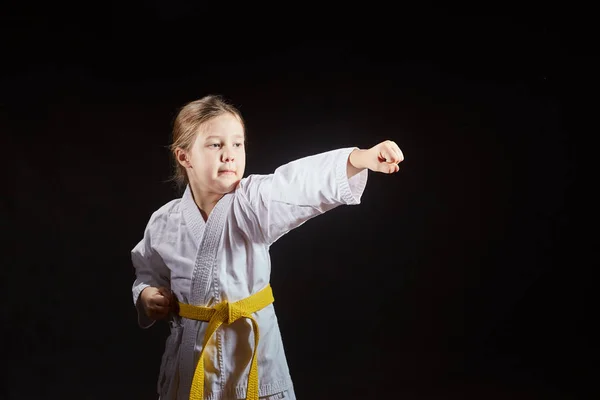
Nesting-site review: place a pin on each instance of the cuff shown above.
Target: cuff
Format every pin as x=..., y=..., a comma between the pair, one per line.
x=351, y=190
x=144, y=321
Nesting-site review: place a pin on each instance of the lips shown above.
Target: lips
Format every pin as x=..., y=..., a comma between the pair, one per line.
x=227, y=171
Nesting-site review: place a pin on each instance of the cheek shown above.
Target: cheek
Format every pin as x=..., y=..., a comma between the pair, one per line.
x=202, y=165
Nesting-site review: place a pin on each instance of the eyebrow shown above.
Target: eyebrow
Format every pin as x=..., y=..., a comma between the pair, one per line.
x=220, y=137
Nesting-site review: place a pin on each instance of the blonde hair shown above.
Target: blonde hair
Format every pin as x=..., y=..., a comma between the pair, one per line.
x=187, y=126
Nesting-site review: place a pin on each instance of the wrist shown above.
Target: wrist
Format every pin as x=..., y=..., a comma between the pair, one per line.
x=143, y=294
x=358, y=159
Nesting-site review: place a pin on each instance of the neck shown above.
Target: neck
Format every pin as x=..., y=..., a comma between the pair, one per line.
x=205, y=201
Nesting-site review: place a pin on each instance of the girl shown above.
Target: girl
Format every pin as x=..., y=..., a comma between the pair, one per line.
x=204, y=264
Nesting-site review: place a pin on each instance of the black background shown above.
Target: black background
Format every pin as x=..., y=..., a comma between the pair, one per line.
x=463, y=276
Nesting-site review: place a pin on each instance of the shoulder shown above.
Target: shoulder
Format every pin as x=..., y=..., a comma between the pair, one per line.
x=160, y=218
x=251, y=184
x=252, y=180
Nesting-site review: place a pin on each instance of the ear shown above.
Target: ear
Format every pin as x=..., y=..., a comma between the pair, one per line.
x=182, y=157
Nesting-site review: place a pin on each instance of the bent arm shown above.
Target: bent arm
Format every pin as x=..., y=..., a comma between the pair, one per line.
x=150, y=270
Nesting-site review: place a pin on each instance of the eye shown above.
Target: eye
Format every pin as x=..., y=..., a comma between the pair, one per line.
x=214, y=145
x=238, y=145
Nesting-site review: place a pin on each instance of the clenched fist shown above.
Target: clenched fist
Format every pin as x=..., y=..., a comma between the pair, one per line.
x=157, y=302
x=383, y=157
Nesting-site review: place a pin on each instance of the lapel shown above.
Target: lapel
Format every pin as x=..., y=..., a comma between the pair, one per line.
x=207, y=236
x=191, y=215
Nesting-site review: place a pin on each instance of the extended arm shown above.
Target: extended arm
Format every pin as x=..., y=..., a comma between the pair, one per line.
x=310, y=186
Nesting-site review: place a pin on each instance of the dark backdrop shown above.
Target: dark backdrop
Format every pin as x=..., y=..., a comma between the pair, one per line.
x=459, y=277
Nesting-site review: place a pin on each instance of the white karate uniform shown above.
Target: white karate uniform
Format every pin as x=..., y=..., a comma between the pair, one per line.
x=227, y=258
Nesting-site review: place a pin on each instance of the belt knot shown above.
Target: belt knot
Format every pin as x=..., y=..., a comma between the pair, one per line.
x=229, y=312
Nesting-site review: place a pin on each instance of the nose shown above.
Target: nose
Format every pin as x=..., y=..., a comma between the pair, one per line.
x=227, y=155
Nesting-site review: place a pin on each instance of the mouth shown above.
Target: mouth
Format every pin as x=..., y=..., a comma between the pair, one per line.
x=227, y=172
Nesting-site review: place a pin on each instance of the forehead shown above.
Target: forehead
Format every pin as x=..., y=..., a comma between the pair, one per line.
x=223, y=125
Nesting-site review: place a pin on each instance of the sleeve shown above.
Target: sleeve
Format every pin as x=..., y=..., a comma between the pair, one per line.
x=150, y=269
x=301, y=190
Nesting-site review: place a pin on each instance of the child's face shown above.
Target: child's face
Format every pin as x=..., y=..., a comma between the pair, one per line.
x=217, y=157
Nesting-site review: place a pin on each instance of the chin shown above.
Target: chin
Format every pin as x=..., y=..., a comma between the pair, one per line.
x=231, y=187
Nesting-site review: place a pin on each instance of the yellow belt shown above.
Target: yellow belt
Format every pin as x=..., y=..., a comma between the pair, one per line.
x=227, y=313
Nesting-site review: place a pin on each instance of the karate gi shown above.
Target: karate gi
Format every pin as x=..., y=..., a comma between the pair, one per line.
x=226, y=257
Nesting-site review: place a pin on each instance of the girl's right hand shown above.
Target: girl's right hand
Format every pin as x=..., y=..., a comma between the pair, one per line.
x=157, y=302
